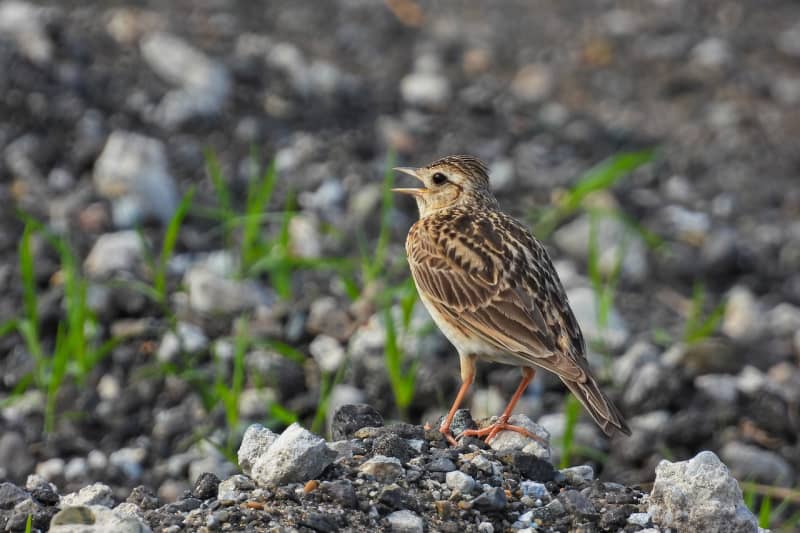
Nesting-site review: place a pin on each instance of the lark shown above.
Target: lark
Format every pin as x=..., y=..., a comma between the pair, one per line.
x=492, y=290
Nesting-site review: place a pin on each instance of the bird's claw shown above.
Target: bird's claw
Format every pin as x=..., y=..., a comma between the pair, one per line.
x=491, y=431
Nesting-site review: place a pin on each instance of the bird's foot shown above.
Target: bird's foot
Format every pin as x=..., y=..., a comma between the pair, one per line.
x=490, y=432
x=448, y=435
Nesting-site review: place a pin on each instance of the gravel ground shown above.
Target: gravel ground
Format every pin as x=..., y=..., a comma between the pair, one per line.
x=107, y=108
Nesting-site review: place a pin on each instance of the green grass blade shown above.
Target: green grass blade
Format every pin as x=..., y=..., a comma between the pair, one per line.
x=765, y=512
x=28, y=275
x=259, y=194
x=168, y=246
x=572, y=409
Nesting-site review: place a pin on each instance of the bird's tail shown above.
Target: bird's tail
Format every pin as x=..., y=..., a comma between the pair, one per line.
x=600, y=406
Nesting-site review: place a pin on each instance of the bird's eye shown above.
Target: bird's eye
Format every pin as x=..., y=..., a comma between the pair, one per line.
x=439, y=178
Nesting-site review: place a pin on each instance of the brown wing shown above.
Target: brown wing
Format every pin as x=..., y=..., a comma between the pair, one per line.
x=498, y=283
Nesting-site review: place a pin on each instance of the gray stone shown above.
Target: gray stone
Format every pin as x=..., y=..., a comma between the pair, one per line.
x=722, y=388
x=10, y=495
x=756, y=464
x=114, y=252
x=232, y=489
x=576, y=503
x=296, y=456
x=788, y=41
x=628, y=363
x=783, y=319
x=129, y=460
x=94, y=494
x=384, y=469
x=15, y=457
x=132, y=172
x=492, y=499
x=425, y=89
x=699, y=495
x=327, y=352
x=405, y=522
x=255, y=443
x=25, y=23
x=457, y=480
x=533, y=83
x=441, y=464
x=202, y=84
x=189, y=339
x=211, y=293
x=578, y=475
x=744, y=318
x=512, y=440
x=639, y=519
x=350, y=418
x=502, y=175
x=712, y=52
x=584, y=304
x=96, y=518
x=392, y=445
x=614, y=240
x=534, y=489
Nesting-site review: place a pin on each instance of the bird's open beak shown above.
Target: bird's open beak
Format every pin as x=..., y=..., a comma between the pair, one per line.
x=411, y=172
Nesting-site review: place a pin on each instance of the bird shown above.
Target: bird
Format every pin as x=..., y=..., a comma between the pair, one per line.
x=491, y=288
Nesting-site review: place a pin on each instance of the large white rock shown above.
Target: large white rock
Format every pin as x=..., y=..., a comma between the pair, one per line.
x=255, y=443
x=296, y=456
x=132, y=172
x=699, y=495
x=512, y=440
x=113, y=252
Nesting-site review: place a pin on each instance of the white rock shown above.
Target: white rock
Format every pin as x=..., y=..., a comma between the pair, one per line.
x=721, y=388
x=213, y=294
x=750, y=380
x=25, y=24
x=788, y=41
x=230, y=490
x=203, y=84
x=129, y=460
x=512, y=440
x=94, y=494
x=699, y=495
x=784, y=319
x=405, y=522
x=327, y=352
x=113, y=252
x=744, y=318
x=255, y=443
x=96, y=519
x=615, y=240
x=639, y=519
x=189, y=339
x=384, y=469
x=712, y=52
x=51, y=468
x=535, y=490
x=304, y=236
x=132, y=171
x=502, y=175
x=297, y=455
x=584, y=304
x=578, y=474
x=425, y=89
x=458, y=480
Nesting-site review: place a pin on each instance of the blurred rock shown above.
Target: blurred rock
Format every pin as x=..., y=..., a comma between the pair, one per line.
x=304, y=236
x=15, y=457
x=296, y=456
x=113, y=252
x=342, y=394
x=533, y=83
x=625, y=366
x=788, y=41
x=203, y=84
x=132, y=172
x=615, y=241
x=652, y=386
x=783, y=319
x=699, y=495
x=584, y=304
x=128, y=24
x=752, y=463
x=95, y=518
x=210, y=293
x=712, y=52
x=586, y=434
x=744, y=318
x=721, y=388
x=685, y=225
x=502, y=175
x=425, y=89
x=326, y=315
x=26, y=24
x=189, y=339
x=350, y=418
x=327, y=352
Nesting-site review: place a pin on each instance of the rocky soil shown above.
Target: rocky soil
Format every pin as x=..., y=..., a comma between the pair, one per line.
x=108, y=111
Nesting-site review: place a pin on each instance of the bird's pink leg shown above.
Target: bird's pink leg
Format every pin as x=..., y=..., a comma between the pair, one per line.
x=502, y=424
x=467, y=377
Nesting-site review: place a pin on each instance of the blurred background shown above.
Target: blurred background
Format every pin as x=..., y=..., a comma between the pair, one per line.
x=197, y=232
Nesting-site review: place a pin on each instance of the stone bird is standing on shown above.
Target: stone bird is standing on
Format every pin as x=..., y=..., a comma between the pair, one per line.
x=491, y=288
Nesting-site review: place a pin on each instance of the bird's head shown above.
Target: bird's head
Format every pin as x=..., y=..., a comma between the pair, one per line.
x=457, y=180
